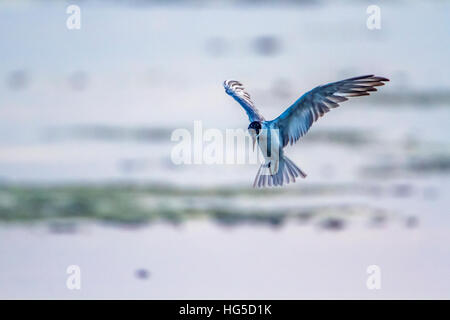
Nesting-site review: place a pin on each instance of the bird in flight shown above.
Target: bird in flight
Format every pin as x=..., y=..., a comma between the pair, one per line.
x=273, y=135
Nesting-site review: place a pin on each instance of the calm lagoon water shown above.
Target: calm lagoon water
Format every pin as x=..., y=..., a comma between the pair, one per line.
x=87, y=179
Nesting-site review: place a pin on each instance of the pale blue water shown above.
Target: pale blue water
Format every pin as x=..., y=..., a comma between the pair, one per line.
x=162, y=67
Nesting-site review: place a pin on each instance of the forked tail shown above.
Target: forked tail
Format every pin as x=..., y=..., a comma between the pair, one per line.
x=277, y=172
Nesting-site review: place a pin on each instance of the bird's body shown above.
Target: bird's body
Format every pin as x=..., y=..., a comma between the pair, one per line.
x=277, y=168
x=269, y=143
x=272, y=136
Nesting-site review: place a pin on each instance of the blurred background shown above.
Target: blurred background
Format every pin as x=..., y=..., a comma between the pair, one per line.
x=86, y=176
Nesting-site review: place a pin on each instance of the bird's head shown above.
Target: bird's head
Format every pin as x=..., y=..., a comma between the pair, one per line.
x=254, y=129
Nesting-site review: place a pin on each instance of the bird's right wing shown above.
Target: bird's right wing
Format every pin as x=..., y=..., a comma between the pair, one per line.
x=296, y=120
x=236, y=90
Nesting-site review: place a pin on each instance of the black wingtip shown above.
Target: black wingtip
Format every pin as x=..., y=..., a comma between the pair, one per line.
x=377, y=78
x=367, y=76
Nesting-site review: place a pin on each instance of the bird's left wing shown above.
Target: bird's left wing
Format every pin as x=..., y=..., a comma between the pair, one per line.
x=236, y=90
x=298, y=118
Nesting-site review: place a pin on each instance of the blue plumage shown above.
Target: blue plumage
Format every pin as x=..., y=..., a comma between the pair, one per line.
x=295, y=121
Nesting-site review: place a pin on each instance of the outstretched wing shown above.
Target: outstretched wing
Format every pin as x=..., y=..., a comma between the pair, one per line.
x=296, y=120
x=236, y=90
